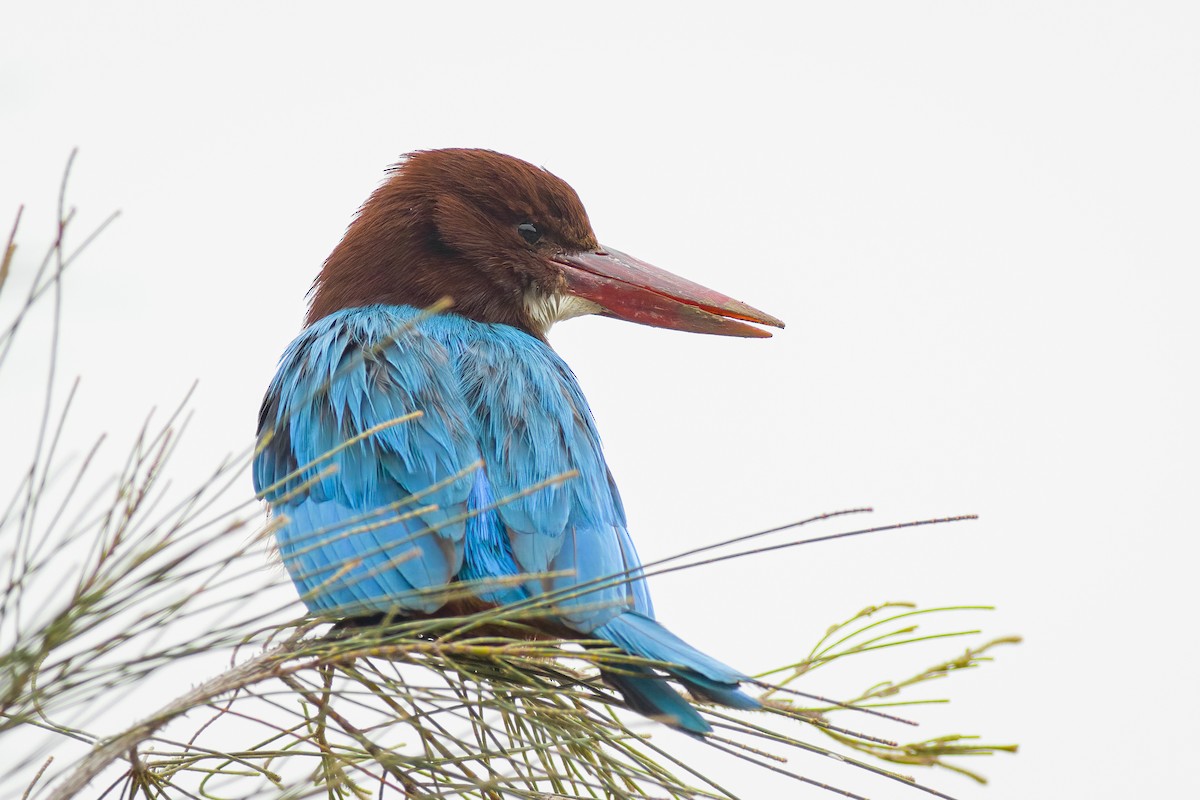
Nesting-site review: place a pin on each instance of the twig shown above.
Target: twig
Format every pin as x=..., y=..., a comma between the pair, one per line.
x=262, y=667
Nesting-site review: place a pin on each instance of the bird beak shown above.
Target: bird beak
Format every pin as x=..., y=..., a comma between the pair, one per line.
x=630, y=289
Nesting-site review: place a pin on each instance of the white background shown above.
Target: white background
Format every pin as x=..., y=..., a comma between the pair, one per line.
x=979, y=221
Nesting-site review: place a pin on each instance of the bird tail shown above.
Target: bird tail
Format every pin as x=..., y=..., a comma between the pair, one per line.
x=649, y=694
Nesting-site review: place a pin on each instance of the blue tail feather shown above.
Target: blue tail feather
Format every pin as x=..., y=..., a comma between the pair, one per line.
x=720, y=693
x=649, y=695
x=703, y=675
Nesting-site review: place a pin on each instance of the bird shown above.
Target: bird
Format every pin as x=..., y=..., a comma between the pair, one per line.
x=397, y=447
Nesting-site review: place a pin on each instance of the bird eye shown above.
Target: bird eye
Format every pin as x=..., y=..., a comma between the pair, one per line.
x=529, y=232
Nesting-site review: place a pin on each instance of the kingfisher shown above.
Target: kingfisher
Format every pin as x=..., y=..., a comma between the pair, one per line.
x=413, y=457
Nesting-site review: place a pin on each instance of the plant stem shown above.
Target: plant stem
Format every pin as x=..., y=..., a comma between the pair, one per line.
x=262, y=667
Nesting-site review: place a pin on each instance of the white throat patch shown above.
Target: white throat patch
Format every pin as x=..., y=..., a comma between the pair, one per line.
x=547, y=309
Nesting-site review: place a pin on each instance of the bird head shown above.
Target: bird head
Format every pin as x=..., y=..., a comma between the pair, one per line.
x=507, y=242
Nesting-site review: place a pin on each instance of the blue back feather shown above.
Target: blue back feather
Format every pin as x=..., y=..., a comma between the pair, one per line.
x=357, y=540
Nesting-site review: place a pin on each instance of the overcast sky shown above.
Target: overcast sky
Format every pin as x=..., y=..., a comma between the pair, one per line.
x=979, y=221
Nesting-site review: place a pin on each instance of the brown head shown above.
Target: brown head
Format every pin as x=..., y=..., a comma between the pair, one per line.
x=507, y=242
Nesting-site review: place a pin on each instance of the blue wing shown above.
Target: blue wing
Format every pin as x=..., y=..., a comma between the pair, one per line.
x=533, y=425
x=375, y=513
